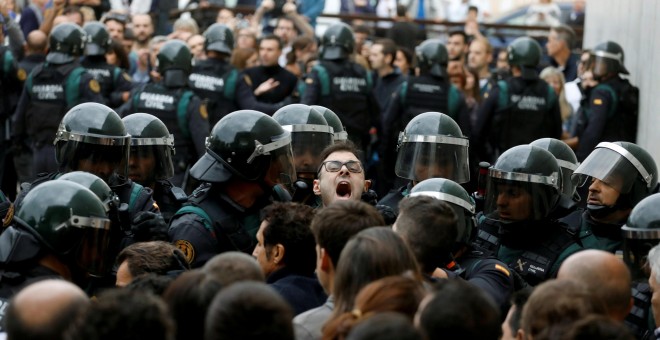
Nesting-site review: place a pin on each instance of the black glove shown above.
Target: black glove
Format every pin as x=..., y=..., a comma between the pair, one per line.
x=149, y=226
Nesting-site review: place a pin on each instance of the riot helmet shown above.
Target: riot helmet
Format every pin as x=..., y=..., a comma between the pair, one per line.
x=91, y=137
x=624, y=166
x=432, y=145
x=98, y=39
x=338, y=42
x=432, y=57
x=460, y=201
x=249, y=145
x=174, y=63
x=608, y=59
x=333, y=120
x=219, y=38
x=525, y=53
x=152, y=149
x=70, y=221
x=65, y=43
x=96, y=185
x=310, y=134
x=641, y=233
x=567, y=163
x=524, y=184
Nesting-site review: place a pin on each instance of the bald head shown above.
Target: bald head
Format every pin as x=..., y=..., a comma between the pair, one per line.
x=233, y=266
x=37, y=42
x=606, y=277
x=44, y=310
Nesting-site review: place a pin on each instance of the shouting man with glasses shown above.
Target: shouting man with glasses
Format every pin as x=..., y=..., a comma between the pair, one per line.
x=341, y=174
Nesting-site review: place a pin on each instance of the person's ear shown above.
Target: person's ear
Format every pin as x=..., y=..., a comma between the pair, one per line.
x=316, y=187
x=367, y=185
x=326, y=262
x=277, y=253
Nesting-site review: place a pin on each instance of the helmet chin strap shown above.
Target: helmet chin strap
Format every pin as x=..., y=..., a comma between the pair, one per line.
x=602, y=211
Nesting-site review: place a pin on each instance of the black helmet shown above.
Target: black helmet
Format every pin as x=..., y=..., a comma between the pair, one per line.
x=150, y=139
x=310, y=134
x=527, y=174
x=625, y=167
x=70, y=221
x=219, y=37
x=432, y=57
x=96, y=185
x=250, y=145
x=641, y=233
x=333, y=120
x=608, y=58
x=91, y=134
x=567, y=163
x=66, y=42
x=174, y=63
x=98, y=38
x=453, y=193
x=432, y=145
x=525, y=53
x=338, y=42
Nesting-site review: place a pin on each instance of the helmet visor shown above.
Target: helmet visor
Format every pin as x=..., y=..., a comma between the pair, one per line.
x=609, y=166
x=512, y=200
x=433, y=157
x=92, y=254
x=567, y=185
x=282, y=169
x=307, y=147
x=100, y=160
x=150, y=159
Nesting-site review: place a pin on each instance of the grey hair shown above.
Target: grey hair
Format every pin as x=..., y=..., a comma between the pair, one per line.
x=654, y=261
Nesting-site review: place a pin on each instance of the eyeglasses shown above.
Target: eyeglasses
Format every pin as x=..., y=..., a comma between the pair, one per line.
x=335, y=166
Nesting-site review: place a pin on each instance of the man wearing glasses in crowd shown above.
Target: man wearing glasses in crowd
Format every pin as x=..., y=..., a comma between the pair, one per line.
x=341, y=175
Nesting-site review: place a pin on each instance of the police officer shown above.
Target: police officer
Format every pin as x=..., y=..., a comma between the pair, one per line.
x=520, y=109
x=641, y=233
x=524, y=187
x=115, y=83
x=150, y=161
x=176, y=105
x=619, y=175
x=339, y=134
x=343, y=86
x=215, y=79
x=432, y=145
x=60, y=230
x=567, y=161
x=248, y=156
x=486, y=272
x=50, y=91
x=310, y=134
x=611, y=112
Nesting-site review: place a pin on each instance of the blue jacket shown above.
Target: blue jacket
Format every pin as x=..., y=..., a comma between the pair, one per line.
x=301, y=292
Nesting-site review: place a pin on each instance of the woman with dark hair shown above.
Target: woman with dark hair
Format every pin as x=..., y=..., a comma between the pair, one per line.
x=243, y=58
x=302, y=49
x=404, y=61
x=400, y=294
x=117, y=55
x=370, y=255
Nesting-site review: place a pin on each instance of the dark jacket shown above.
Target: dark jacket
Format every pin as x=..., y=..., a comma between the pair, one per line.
x=301, y=292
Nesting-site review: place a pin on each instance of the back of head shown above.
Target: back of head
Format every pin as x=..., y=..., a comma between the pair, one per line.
x=458, y=310
x=428, y=226
x=595, y=327
x=231, y=267
x=525, y=53
x=338, y=42
x=219, y=38
x=372, y=254
x=432, y=57
x=566, y=34
x=250, y=311
x=640, y=235
x=174, y=63
x=334, y=225
x=156, y=257
x=385, y=326
x=66, y=42
x=98, y=39
x=124, y=314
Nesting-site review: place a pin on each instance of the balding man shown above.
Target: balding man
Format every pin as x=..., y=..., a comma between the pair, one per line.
x=35, y=52
x=233, y=266
x=605, y=275
x=44, y=310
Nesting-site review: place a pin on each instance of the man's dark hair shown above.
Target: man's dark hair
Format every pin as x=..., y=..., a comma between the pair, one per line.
x=346, y=146
x=593, y=327
x=459, y=310
x=124, y=314
x=250, y=311
x=288, y=224
x=518, y=300
x=567, y=34
x=401, y=10
x=151, y=283
x=429, y=227
x=387, y=325
x=233, y=266
x=407, y=53
x=188, y=298
x=272, y=37
x=362, y=29
x=295, y=28
x=152, y=257
x=334, y=225
x=54, y=329
x=389, y=48
x=473, y=8
x=461, y=33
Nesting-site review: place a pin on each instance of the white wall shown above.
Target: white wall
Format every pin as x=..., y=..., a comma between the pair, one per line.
x=635, y=25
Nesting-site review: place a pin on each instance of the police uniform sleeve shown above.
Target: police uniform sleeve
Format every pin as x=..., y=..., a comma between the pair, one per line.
x=310, y=95
x=18, y=127
x=198, y=124
x=247, y=101
x=494, y=278
x=599, y=104
x=187, y=232
x=124, y=84
x=127, y=108
x=90, y=90
x=555, y=116
x=12, y=87
x=481, y=130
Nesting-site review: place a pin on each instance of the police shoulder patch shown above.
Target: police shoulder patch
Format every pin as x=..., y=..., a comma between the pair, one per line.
x=21, y=74
x=126, y=76
x=203, y=111
x=598, y=101
x=248, y=80
x=155, y=205
x=309, y=81
x=94, y=86
x=187, y=249
x=502, y=269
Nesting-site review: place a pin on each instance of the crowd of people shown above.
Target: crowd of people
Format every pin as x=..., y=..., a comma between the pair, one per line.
x=244, y=178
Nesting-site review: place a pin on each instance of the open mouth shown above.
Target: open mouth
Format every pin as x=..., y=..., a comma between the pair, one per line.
x=343, y=190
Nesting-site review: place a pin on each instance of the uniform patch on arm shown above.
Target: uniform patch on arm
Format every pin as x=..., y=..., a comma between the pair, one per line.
x=502, y=269
x=21, y=74
x=203, y=111
x=94, y=86
x=187, y=249
x=598, y=101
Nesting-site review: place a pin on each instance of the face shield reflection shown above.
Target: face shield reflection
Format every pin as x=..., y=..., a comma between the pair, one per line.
x=511, y=200
x=281, y=170
x=307, y=147
x=418, y=161
x=92, y=255
x=608, y=166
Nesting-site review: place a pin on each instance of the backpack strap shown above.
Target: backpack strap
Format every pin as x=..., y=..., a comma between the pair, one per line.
x=324, y=79
x=453, y=101
x=7, y=62
x=73, y=86
x=613, y=94
x=403, y=92
x=503, y=99
x=136, y=191
x=230, y=84
x=193, y=209
x=181, y=111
